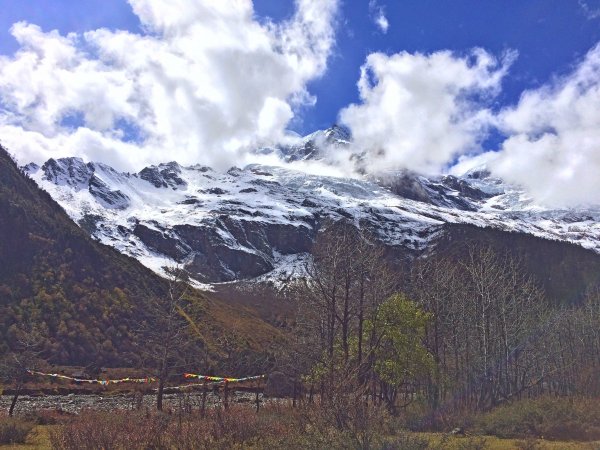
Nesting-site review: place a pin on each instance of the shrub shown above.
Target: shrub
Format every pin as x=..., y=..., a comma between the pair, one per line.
x=47, y=417
x=529, y=444
x=548, y=417
x=419, y=416
x=472, y=443
x=115, y=430
x=14, y=431
x=406, y=441
x=131, y=430
x=416, y=417
x=274, y=427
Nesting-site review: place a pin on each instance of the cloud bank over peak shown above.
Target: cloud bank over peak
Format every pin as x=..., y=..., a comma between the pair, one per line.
x=204, y=82
x=430, y=113
x=553, y=144
x=421, y=111
x=208, y=82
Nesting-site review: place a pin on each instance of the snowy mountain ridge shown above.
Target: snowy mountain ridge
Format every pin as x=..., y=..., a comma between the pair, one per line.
x=260, y=221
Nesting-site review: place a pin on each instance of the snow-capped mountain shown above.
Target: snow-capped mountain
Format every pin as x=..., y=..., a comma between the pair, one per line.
x=311, y=147
x=260, y=221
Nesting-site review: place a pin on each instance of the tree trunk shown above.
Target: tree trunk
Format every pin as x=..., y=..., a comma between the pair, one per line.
x=204, y=387
x=294, y=395
x=257, y=397
x=14, y=401
x=159, y=395
x=361, y=314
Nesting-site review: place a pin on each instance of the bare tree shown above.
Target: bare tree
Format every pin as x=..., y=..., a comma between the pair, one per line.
x=347, y=279
x=492, y=334
x=572, y=349
x=163, y=332
x=434, y=284
x=16, y=364
x=506, y=306
x=487, y=316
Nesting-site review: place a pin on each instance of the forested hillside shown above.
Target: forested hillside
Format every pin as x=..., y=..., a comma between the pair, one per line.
x=565, y=271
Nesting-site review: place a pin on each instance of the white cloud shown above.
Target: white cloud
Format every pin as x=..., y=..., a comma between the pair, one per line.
x=469, y=162
x=203, y=83
x=590, y=13
x=382, y=22
x=378, y=16
x=553, y=148
x=419, y=112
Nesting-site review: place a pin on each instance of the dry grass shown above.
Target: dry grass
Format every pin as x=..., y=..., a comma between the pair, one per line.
x=550, y=418
x=279, y=426
x=14, y=430
x=39, y=439
x=222, y=318
x=275, y=427
x=445, y=442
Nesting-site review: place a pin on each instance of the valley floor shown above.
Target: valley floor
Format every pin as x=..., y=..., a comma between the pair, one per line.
x=39, y=440
x=442, y=441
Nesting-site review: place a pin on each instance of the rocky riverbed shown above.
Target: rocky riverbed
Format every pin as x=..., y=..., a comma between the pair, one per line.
x=75, y=403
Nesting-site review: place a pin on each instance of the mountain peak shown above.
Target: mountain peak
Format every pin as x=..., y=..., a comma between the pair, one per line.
x=339, y=133
x=69, y=171
x=312, y=146
x=164, y=175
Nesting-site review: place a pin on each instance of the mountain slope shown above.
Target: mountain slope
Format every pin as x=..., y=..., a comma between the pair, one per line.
x=564, y=270
x=82, y=294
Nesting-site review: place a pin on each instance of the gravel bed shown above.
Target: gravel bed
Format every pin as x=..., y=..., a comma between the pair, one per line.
x=75, y=403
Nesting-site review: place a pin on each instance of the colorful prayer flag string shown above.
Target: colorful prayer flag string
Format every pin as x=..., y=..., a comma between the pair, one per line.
x=222, y=379
x=85, y=380
x=144, y=380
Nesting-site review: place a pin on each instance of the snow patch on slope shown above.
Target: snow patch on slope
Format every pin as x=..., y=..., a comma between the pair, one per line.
x=246, y=221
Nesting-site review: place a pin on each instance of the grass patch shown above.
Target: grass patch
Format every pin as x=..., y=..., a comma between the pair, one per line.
x=548, y=418
x=441, y=441
x=14, y=431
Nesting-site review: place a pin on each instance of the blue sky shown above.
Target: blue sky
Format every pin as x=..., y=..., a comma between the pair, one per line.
x=425, y=85
x=550, y=36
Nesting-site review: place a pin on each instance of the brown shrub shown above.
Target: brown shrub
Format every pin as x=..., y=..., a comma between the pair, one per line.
x=47, y=417
x=472, y=443
x=274, y=427
x=547, y=417
x=115, y=430
x=406, y=441
x=14, y=431
x=218, y=429
x=529, y=444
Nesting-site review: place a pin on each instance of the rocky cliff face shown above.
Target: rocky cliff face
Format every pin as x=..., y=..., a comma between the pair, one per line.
x=77, y=175
x=260, y=221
